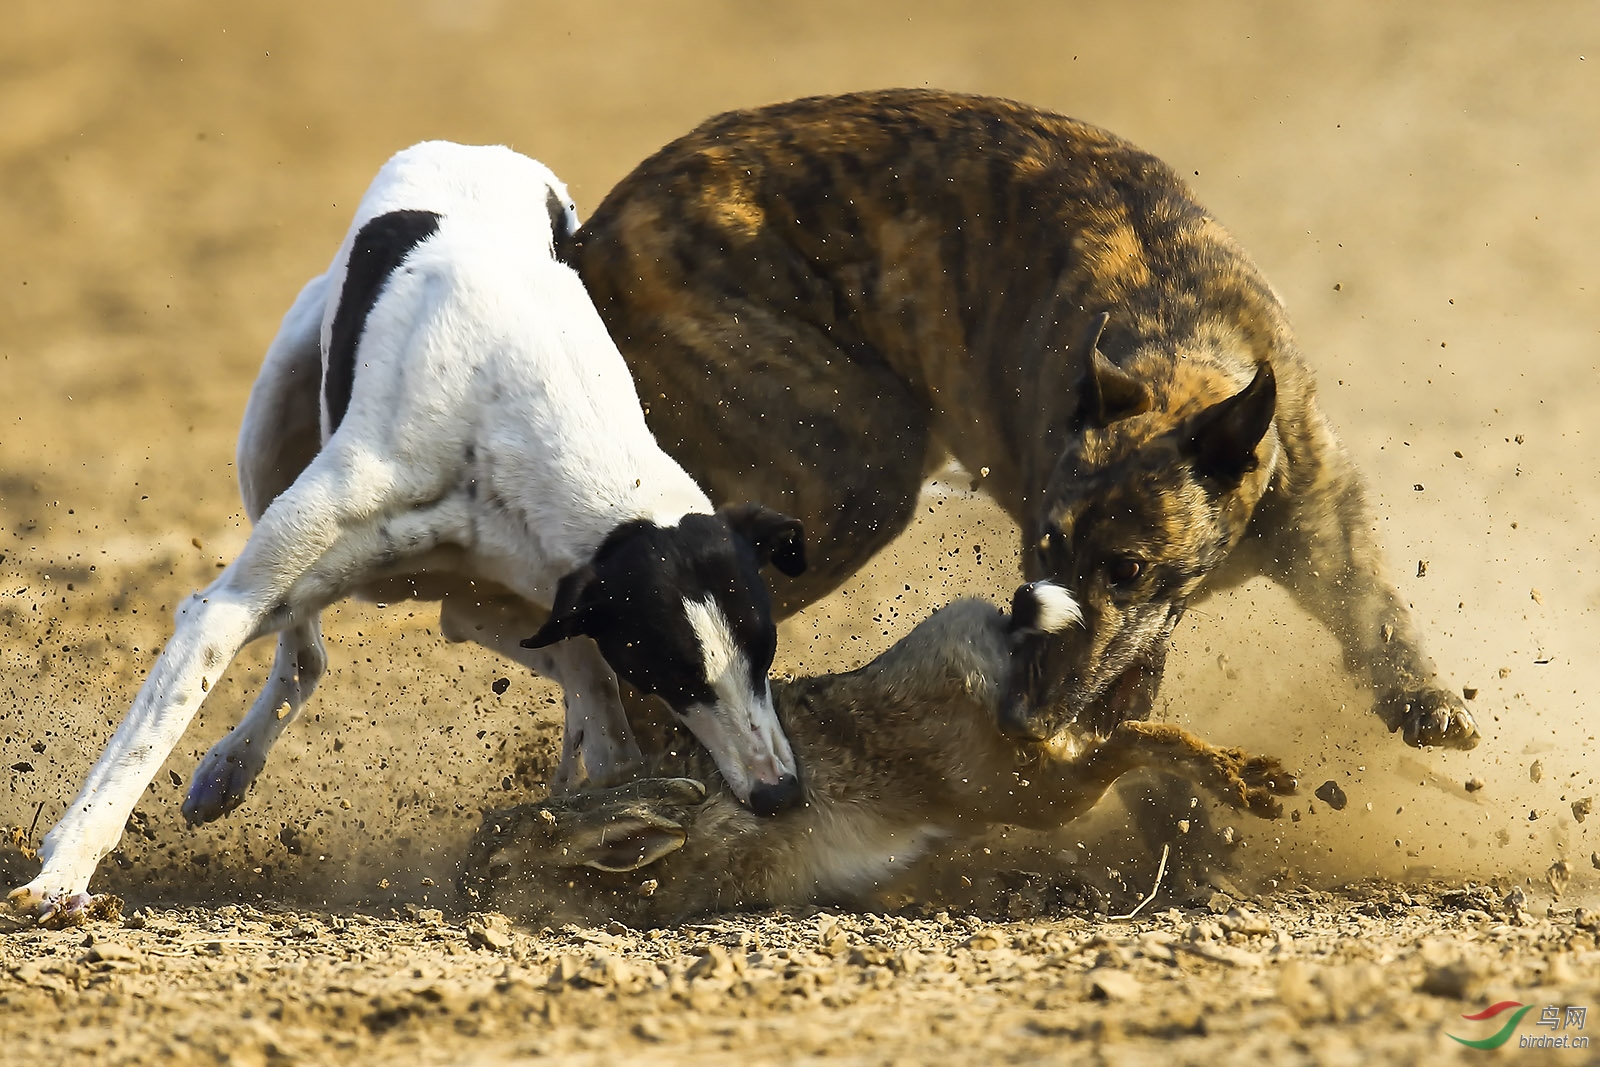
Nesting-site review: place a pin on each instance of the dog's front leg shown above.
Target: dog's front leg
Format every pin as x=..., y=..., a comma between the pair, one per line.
x=597, y=743
x=1314, y=536
x=211, y=627
x=597, y=746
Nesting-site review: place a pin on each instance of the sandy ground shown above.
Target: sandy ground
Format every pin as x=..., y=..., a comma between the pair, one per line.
x=1418, y=182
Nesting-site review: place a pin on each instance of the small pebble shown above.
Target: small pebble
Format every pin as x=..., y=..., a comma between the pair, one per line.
x=1333, y=796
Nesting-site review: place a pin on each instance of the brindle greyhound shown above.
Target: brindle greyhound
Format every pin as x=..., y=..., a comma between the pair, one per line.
x=897, y=755
x=822, y=300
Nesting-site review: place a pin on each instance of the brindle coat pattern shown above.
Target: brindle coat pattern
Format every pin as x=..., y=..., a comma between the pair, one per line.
x=821, y=300
x=897, y=754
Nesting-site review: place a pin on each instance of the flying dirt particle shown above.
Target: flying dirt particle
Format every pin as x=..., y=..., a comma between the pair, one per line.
x=195, y=541
x=1474, y=784
x=1422, y=568
x=1557, y=877
x=1594, y=860
x=1518, y=439
x=1338, y=286
x=500, y=685
x=1330, y=794
x=1582, y=808
x=1505, y=672
x=1417, y=487
x=1469, y=692
x=1536, y=770
x=1458, y=454
x=1538, y=597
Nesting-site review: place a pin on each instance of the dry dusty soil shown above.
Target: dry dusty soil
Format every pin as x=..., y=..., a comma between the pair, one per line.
x=1418, y=180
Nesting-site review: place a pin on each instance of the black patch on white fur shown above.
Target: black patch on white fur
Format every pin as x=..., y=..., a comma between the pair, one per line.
x=379, y=248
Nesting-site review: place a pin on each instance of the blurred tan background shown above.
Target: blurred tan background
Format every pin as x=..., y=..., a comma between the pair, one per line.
x=1418, y=180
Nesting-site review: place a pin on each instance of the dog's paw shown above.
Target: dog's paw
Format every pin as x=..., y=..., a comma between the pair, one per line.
x=219, y=785
x=1429, y=718
x=56, y=910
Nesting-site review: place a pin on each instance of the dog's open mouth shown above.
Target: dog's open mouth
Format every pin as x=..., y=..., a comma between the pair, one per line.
x=1037, y=711
x=1131, y=695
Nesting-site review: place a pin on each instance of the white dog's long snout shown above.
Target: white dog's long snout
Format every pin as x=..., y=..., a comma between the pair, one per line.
x=750, y=749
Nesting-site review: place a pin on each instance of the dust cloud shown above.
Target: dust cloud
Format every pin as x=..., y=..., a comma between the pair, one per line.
x=1415, y=187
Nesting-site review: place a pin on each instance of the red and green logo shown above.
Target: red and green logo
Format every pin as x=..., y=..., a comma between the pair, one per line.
x=1504, y=1034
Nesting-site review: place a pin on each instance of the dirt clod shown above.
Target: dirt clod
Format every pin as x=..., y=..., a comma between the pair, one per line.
x=1331, y=794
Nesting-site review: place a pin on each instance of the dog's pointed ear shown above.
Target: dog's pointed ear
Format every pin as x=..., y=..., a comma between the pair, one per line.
x=776, y=537
x=624, y=842
x=1222, y=439
x=568, y=615
x=1106, y=392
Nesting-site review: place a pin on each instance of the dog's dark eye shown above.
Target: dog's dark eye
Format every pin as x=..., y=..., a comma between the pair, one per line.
x=1124, y=569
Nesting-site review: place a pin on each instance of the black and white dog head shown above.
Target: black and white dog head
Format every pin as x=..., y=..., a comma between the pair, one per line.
x=683, y=612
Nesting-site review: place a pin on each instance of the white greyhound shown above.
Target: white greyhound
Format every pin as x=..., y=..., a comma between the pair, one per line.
x=482, y=444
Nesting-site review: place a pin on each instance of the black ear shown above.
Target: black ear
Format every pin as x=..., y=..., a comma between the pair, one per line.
x=1222, y=439
x=777, y=538
x=568, y=613
x=1106, y=392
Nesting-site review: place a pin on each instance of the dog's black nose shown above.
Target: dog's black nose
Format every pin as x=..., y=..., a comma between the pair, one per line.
x=779, y=796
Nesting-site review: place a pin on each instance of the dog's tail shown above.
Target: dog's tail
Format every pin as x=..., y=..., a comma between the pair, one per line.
x=1043, y=608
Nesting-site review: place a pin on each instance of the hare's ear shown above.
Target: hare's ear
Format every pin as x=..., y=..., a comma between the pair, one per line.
x=626, y=842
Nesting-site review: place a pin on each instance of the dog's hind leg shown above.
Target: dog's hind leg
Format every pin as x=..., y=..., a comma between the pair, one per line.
x=227, y=771
x=281, y=433
x=335, y=524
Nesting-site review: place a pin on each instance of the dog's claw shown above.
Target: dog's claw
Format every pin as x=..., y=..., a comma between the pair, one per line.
x=1429, y=718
